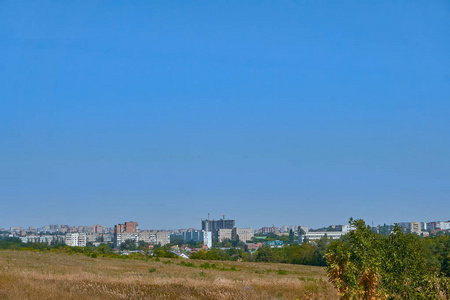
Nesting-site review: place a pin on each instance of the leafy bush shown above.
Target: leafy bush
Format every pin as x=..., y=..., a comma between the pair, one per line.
x=282, y=272
x=370, y=266
x=187, y=264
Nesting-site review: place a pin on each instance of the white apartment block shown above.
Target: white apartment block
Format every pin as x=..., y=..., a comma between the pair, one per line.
x=123, y=236
x=444, y=225
x=313, y=236
x=45, y=239
x=76, y=239
x=347, y=228
x=207, y=238
x=152, y=237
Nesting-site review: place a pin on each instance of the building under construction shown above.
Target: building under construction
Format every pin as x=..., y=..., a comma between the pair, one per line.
x=213, y=226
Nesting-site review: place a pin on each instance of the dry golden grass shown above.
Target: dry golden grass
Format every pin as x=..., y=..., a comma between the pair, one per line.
x=38, y=275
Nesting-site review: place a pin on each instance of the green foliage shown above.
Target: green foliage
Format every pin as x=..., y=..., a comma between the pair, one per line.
x=193, y=244
x=152, y=270
x=227, y=243
x=164, y=252
x=282, y=272
x=291, y=236
x=128, y=245
x=104, y=250
x=265, y=254
x=355, y=267
x=176, y=240
x=221, y=267
x=143, y=245
x=438, y=253
x=367, y=265
x=207, y=266
x=219, y=254
x=305, y=254
x=187, y=264
x=329, y=228
x=284, y=238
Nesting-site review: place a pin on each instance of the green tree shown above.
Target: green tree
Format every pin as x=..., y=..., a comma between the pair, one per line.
x=128, y=245
x=176, y=240
x=366, y=265
x=100, y=239
x=291, y=236
x=355, y=267
x=265, y=254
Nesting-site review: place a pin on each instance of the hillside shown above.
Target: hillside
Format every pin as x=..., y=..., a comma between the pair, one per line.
x=48, y=275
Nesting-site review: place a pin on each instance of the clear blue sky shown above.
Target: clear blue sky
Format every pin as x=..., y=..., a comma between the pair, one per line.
x=292, y=112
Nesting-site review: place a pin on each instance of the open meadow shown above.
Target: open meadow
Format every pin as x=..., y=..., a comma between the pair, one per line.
x=48, y=275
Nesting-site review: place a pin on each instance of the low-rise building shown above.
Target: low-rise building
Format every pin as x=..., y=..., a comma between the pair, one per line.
x=274, y=244
x=253, y=246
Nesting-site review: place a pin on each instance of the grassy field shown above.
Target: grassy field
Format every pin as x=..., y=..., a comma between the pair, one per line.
x=47, y=275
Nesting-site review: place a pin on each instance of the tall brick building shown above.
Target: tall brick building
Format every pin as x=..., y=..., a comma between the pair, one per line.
x=127, y=231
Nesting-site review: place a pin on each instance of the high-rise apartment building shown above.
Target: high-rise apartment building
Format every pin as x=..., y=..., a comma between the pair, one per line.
x=198, y=236
x=123, y=232
x=214, y=226
x=163, y=237
x=266, y=230
x=76, y=239
x=131, y=227
x=244, y=234
x=416, y=227
x=98, y=229
x=224, y=234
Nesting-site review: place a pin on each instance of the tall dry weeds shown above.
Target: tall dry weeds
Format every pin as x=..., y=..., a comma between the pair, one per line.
x=31, y=275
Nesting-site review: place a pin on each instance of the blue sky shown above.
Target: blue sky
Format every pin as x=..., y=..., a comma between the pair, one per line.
x=297, y=112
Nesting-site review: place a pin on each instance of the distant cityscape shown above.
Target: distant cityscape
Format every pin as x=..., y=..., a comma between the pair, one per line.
x=211, y=232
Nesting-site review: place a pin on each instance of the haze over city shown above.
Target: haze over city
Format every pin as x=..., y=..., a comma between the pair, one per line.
x=308, y=113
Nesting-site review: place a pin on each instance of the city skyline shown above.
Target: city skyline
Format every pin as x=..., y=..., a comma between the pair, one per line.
x=201, y=226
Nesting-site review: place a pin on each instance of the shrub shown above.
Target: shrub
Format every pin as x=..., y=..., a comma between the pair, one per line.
x=368, y=266
x=282, y=272
x=187, y=264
